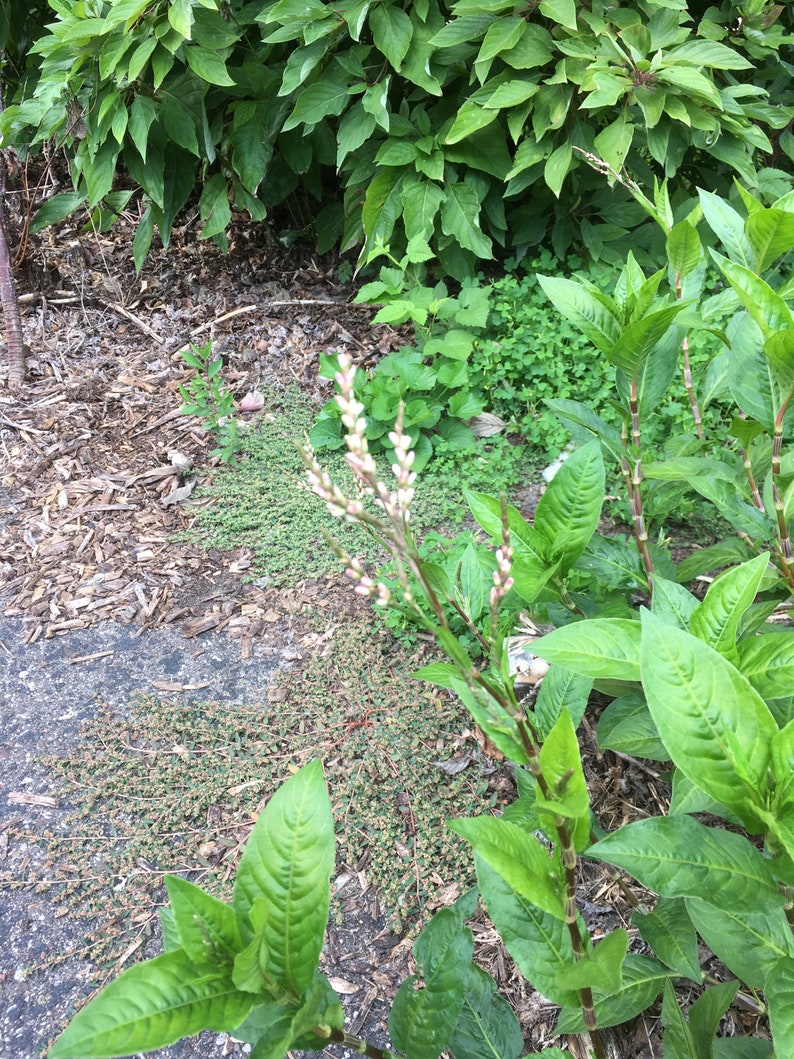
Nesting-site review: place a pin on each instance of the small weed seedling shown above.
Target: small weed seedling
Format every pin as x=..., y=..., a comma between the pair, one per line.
x=208, y=397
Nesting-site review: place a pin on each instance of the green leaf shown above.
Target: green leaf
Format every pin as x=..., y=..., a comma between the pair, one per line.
x=567, y=794
x=771, y=235
x=672, y=603
x=638, y=339
x=319, y=100
x=716, y=728
x=779, y=352
x=568, y=513
x=519, y=858
x=460, y=213
x=601, y=967
x=556, y=169
x=422, y=1020
x=767, y=661
x=703, y=561
x=602, y=648
x=669, y=932
x=560, y=11
x=539, y=943
x=487, y=1028
x=613, y=142
x=206, y=927
x=707, y=1011
x=643, y=980
x=626, y=725
x=679, y=857
x=392, y=31
x=678, y=1042
x=214, y=206
x=208, y=65
x=749, y=940
x=151, y=1005
x=728, y=225
x=561, y=690
x=684, y=251
x=581, y=419
x=741, y=1048
x=180, y=15
x=56, y=209
x=779, y=991
x=764, y=305
x=716, y=620
x=288, y=861
x=502, y=35
x=584, y=309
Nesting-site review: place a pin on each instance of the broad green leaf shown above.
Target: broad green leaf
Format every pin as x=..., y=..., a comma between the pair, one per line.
x=561, y=690
x=741, y=1048
x=539, y=943
x=471, y=117
x=567, y=795
x=579, y=418
x=584, y=309
x=601, y=648
x=502, y=35
x=473, y=585
x=601, y=967
x=770, y=233
x=689, y=799
x=716, y=727
x=206, y=927
x=669, y=932
x=151, y=1005
x=679, y=857
x=716, y=620
x=779, y=991
x=487, y=1028
x=321, y=99
x=56, y=209
x=487, y=511
x=496, y=721
x=423, y=1019
x=392, y=31
x=561, y=11
x=728, y=225
x=684, y=250
x=557, y=166
x=180, y=15
x=421, y=203
x=678, y=1042
x=615, y=563
x=672, y=603
x=626, y=725
x=707, y=1011
x=288, y=861
x=208, y=65
x=568, y=513
x=751, y=380
x=749, y=939
x=638, y=339
x=214, y=207
x=519, y=858
x=613, y=142
x=707, y=53
x=768, y=663
x=723, y=553
x=643, y=981
x=765, y=306
x=460, y=216
x=779, y=352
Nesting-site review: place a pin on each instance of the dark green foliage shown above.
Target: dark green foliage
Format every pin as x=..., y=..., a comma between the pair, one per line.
x=442, y=130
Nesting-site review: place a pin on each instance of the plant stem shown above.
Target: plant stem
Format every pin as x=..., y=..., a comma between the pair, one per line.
x=748, y=468
x=361, y=1047
x=15, y=343
x=633, y=478
x=696, y=417
x=784, y=541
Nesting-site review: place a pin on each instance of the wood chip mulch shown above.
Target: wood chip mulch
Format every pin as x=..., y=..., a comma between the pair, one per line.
x=97, y=464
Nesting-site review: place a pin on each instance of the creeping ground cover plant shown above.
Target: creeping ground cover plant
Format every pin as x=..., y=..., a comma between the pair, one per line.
x=701, y=683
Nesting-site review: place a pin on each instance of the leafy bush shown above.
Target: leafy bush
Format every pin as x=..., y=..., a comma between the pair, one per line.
x=452, y=128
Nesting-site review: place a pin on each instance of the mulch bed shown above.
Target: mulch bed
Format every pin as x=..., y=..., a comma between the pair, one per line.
x=98, y=462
